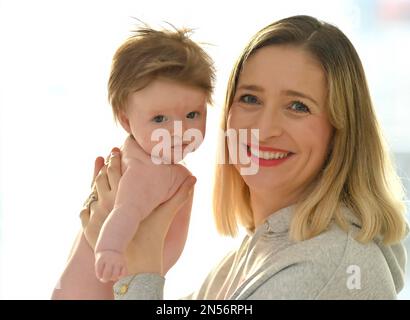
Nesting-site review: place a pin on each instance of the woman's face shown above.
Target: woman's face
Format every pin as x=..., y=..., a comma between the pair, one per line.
x=282, y=92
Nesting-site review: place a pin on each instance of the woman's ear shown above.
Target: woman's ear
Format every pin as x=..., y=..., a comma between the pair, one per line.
x=125, y=122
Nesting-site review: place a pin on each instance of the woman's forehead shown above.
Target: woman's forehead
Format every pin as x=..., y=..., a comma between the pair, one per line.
x=284, y=68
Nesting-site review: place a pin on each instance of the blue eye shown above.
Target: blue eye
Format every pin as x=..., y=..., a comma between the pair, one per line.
x=193, y=114
x=159, y=119
x=299, y=107
x=248, y=98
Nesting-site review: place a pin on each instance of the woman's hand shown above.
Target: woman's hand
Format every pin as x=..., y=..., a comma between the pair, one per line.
x=152, y=249
x=105, y=185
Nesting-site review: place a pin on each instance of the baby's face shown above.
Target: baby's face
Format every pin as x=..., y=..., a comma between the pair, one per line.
x=169, y=105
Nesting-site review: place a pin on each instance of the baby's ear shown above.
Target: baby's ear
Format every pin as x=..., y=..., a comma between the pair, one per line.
x=125, y=122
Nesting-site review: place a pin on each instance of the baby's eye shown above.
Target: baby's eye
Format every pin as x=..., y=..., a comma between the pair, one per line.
x=299, y=107
x=159, y=119
x=248, y=98
x=193, y=115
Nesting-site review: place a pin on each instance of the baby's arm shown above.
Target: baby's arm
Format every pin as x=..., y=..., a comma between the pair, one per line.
x=141, y=189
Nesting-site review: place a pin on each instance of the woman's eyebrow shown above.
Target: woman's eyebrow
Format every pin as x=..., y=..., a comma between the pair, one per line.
x=294, y=93
x=251, y=87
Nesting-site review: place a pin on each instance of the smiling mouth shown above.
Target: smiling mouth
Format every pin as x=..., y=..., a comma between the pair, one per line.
x=267, y=155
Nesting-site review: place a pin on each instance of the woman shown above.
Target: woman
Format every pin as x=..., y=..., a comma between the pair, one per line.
x=324, y=212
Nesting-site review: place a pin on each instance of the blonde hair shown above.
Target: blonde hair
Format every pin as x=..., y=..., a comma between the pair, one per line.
x=358, y=172
x=149, y=54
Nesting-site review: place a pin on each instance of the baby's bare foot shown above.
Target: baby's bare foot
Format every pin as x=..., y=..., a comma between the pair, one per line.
x=110, y=265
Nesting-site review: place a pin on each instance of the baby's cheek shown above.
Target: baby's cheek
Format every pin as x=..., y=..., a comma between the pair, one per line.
x=203, y=127
x=146, y=143
x=195, y=135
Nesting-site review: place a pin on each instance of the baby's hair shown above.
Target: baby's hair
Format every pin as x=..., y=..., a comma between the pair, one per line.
x=149, y=54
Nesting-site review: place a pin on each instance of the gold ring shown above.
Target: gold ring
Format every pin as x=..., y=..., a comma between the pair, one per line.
x=91, y=198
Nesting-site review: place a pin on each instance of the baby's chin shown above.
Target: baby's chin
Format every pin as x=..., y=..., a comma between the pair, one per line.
x=175, y=156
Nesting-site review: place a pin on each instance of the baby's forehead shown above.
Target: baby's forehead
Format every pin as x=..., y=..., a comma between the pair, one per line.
x=166, y=96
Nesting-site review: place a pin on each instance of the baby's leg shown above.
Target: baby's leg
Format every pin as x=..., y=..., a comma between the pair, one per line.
x=110, y=265
x=118, y=230
x=137, y=196
x=115, y=235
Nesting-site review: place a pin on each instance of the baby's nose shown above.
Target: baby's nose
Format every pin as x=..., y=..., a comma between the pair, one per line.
x=177, y=130
x=177, y=140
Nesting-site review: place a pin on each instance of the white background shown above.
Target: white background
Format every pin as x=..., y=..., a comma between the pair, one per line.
x=54, y=117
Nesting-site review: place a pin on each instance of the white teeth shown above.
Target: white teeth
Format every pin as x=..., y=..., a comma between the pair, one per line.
x=267, y=155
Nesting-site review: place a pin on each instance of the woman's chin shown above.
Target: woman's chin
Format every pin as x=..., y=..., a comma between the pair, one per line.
x=263, y=182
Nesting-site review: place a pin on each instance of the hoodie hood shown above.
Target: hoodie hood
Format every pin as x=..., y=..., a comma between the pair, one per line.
x=395, y=255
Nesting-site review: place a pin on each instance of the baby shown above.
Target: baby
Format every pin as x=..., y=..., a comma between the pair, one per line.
x=159, y=87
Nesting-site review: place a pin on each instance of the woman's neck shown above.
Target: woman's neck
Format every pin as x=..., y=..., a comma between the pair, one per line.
x=263, y=204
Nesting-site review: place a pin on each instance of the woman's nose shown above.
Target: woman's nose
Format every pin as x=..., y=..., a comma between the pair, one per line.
x=269, y=124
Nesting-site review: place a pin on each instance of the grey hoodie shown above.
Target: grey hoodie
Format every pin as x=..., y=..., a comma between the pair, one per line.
x=267, y=265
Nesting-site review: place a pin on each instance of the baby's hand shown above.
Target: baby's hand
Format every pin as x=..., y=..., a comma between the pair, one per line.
x=110, y=266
